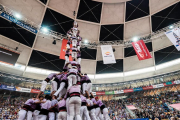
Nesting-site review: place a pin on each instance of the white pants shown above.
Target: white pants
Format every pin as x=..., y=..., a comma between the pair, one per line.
x=71, y=80
x=67, y=108
x=63, y=92
x=35, y=114
x=53, y=86
x=62, y=85
x=105, y=114
x=74, y=55
x=74, y=42
x=79, y=60
x=62, y=115
x=84, y=87
x=83, y=110
x=68, y=46
x=66, y=59
x=43, y=85
x=89, y=87
x=29, y=115
x=92, y=114
x=74, y=108
x=98, y=113
x=42, y=117
x=22, y=114
x=51, y=115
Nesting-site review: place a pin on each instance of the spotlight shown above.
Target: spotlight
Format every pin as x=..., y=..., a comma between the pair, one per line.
x=114, y=49
x=171, y=27
x=17, y=15
x=86, y=41
x=54, y=42
x=45, y=30
x=135, y=39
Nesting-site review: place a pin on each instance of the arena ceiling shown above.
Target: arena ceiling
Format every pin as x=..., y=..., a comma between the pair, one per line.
x=97, y=21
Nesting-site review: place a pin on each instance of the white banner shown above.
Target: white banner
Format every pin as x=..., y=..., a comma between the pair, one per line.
x=94, y=93
x=107, y=54
x=158, y=86
x=23, y=89
x=174, y=37
x=177, y=82
x=118, y=92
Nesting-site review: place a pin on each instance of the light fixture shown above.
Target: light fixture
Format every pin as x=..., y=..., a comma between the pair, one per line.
x=16, y=48
x=54, y=42
x=45, y=30
x=135, y=39
x=17, y=15
x=86, y=41
x=171, y=27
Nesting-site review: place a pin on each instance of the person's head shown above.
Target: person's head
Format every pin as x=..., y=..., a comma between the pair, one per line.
x=85, y=73
x=34, y=97
x=49, y=97
x=75, y=24
x=54, y=97
x=96, y=98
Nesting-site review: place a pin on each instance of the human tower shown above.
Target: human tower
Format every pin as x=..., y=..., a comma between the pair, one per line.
x=71, y=91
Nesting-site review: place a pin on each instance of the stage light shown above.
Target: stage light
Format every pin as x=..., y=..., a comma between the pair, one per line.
x=135, y=39
x=16, y=48
x=171, y=27
x=86, y=41
x=45, y=30
x=54, y=42
x=17, y=15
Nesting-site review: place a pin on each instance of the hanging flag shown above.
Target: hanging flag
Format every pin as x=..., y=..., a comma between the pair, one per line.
x=107, y=54
x=174, y=37
x=141, y=50
x=63, y=50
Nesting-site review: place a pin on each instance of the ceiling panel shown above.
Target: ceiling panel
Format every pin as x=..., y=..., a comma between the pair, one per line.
x=89, y=31
x=16, y=33
x=87, y=53
x=30, y=9
x=136, y=9
x=156, y=5
x=45, y=44
x=88, y=66
x=66, y=7
x=138, y=28
x=133, y=63
x=113, y=13
x=166, y=54
x=89, y=11
x=109, y=68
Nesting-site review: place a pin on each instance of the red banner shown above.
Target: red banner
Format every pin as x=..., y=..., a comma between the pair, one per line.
x=141, y=50
x=128, y=90
x=100, y=93
x=148, y=88
x=34, y=91
x=63, y=50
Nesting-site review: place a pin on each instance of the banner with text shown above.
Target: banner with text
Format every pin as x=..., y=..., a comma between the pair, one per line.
x=138, y=89
x=10, y=18
x=47, y=92
x=34, y=91
x=174, y=37
x=128, y=90
x=63, y=50
x=100, y=93
x=109, y=92
x=119, y=92
x=141, y=50
x=107, y=54
x=20, y=89
x=148, y=88
x=6, y=87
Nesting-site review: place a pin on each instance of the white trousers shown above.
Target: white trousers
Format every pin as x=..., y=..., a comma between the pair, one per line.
x=66, y=59
x=43, y=85
x=67, y=108
x=53, y=86
x=79, y=60
x=22, y=114
x=35, y=114
x=89, y=87
x=71, y=80
x=29, y=115
x=105, y=114
x=98, y=113
x=84, y=87
x=68, y=46
x=74, y=55
x=62, y=115
x=83, y=110
x=42, y=117
x=62, y=85
x=74, y=42
x=92, y=114
x=51, y=115
x=74, y=108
